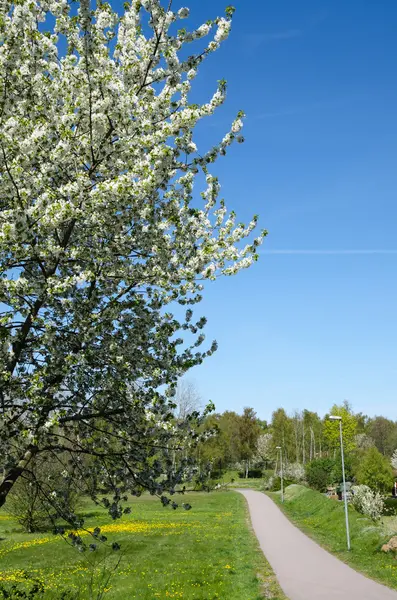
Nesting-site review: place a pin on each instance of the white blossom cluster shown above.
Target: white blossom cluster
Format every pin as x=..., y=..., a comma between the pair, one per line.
x=295, y=472
x=367, y=502
x=394, y=460
x=100, y=225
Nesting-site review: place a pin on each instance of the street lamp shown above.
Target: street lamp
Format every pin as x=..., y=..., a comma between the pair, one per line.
x=336, y=418
x=281, y=473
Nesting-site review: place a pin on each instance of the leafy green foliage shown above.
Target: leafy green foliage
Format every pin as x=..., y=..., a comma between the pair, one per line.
x=349, y=424
x=320, y=473
x=376, y=471
x=44, y=493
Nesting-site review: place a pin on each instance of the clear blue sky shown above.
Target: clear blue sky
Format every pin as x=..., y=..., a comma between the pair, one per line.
x=317, y=79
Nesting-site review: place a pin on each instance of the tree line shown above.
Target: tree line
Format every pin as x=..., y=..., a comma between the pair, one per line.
x=304, y=436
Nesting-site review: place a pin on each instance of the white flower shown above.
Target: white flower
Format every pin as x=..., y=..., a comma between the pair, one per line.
x=104, y=221
x=183, y=13
x=237, y=125
x=203, y=30
x=191, y=147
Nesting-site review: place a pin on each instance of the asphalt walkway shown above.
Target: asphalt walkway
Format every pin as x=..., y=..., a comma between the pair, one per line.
x=304, y=570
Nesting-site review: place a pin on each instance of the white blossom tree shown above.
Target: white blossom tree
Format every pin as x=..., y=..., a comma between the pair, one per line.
x=101, y=234
x=264, y=449
x=187, y=399
x=394, y=460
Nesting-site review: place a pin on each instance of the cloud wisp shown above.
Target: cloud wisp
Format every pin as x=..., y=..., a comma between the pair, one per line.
x=253, y=41
x=330, y=252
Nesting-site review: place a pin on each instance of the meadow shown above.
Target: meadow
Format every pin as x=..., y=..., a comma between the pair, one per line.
x=206, y=553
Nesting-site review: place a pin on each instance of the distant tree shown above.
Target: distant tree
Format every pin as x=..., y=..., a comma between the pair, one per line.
x=394, y=460
x=221, y=450
x=249, y=432
x=375, y=471
x=331, y=428
x=384, y=432
x=264, y=449
x=363, y=423
x=187, y=399
x=283, y=434
x=364, y=441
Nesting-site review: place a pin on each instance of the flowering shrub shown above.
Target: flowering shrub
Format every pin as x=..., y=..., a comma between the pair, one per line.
x=367, y=502
x=268, y=483
x=394, y=459
x=295, y=472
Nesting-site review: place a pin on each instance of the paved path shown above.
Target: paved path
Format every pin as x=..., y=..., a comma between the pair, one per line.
x=304, y=570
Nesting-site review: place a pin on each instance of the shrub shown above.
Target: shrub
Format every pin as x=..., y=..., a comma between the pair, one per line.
x=268, y=483
x=350, y=468
x=376, y=471
x=295, y=472
x=319, y=473
x=273, y=484
x=367, y=502
x=37, y=503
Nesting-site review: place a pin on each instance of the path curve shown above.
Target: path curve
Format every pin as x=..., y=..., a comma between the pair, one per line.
x=304, y=570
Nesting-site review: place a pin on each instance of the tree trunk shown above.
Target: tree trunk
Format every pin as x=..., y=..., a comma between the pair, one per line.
x=14, y=473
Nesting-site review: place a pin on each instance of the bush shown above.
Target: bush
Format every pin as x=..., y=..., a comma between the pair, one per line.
x=268, y=483
x=295, y=472
x=273, y=484
x=42, y=495
x=319, y=473
x=376, y=472
x=367, y=502
x=350, y=468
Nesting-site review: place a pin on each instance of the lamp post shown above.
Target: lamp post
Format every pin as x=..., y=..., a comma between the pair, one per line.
x=336, y=418
x=281, y=472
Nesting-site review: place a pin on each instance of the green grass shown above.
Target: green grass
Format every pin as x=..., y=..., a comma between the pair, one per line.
x=206, y=553
x=232, y=480
x=324, y=520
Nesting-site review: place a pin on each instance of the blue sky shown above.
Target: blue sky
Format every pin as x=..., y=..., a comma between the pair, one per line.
x=317, y=81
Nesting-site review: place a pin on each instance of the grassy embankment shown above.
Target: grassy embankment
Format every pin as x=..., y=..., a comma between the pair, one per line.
x=323, y=520
x=206, y=553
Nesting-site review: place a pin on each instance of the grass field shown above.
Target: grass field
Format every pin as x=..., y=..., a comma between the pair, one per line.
x=324, y=521
x=233, y=481
x=206, y=553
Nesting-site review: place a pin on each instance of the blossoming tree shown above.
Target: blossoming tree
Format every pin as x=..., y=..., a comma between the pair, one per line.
x=394, y=459
x=102, y=234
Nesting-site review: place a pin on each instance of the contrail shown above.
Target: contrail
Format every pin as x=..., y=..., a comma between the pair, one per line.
x=328, y=252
